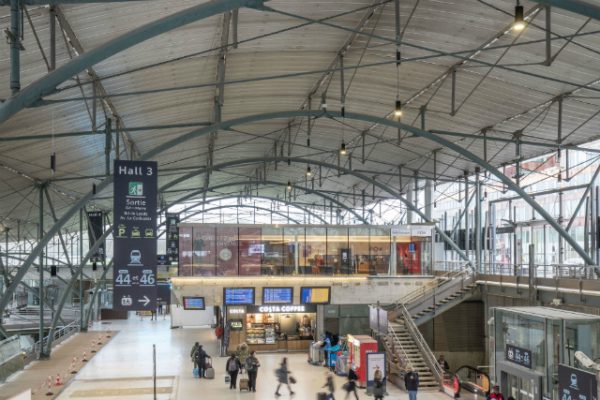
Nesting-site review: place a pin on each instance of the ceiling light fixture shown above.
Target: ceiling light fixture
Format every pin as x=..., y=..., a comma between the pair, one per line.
x=308, y=171
x=398, y=109
x=519, y=23
x=289, y=186
x=343, y=149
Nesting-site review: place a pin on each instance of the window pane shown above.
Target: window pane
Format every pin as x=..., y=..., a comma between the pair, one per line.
x=204, y=260
x=227, y=251
x=316, y=248
x=251, y=251
x=359, y=250
x=273, y=257
x=185, y=251
x=338, y=256
x=379, y=250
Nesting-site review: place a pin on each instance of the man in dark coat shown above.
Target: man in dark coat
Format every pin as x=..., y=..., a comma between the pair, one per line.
x=200, y=357
x=411, y=382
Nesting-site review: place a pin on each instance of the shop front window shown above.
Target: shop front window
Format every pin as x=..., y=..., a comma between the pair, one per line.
x=251, y=250
x=227, y=251
x=273, y=258
x=358, y=242
x=379, y=250
x=316, y=249
x=338, y=252
x=204, y=254
x=293, y=238
x=185, y=251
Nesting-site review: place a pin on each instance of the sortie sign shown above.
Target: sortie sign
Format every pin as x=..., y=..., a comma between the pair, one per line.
x=135, y=192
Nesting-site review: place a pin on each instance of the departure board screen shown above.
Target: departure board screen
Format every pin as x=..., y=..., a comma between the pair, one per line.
x=233, y=296
x=278, y=295
x=193, y=303
x=315, y=295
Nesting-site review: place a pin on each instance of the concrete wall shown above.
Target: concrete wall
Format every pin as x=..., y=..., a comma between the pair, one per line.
x=458, y=334
x=183, y=318
x=344, y=290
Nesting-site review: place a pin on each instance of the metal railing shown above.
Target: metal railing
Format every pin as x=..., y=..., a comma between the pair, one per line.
x=403, y=358
x=554, y=270
x=59, y=335
x=419, y=340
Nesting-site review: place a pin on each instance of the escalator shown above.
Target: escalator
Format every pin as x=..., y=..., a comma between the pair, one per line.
x=467, y=382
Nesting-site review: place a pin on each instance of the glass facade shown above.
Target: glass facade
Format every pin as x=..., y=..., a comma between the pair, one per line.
x=246, y=250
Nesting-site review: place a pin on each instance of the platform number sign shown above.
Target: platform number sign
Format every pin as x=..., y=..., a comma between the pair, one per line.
x=135, y=193
x=519, y=356
x=576, y=384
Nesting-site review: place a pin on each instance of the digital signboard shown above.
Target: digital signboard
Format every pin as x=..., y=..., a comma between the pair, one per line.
x=315, y=295
x=193, y=303
x=278, y=295
x=233, y=296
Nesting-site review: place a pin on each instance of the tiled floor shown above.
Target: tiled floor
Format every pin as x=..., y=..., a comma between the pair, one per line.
x=123, y=369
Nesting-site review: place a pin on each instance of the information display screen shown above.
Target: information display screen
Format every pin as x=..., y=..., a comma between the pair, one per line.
x=315, y=295
x=193, y=303
x=233, y=296
x=278, y=295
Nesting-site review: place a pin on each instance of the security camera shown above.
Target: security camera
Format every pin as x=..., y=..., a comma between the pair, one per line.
x=586, y=361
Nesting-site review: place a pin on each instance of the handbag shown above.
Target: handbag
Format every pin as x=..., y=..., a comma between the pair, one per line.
x=293, y=380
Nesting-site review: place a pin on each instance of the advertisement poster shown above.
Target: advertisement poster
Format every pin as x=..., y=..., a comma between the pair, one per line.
x=375, y=361
x=576, y=384
x=95, y=231
x=134, y=201
x=172, y=235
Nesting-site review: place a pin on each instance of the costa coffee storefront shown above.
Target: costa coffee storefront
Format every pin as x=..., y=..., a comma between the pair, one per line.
x=271, y=327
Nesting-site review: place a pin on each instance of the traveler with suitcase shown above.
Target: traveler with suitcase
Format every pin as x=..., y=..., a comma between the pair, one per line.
x=233, y=367
x=209, y=371
x=200, y=358
x=252, y=366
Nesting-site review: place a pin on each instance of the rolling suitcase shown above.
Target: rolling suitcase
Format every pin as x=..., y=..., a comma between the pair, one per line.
x=244, y=383
x=209, y=372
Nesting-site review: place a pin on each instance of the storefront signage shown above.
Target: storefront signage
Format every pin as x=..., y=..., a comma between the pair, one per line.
x=236, y=310
x=403, y=230
x=274, y=309
x=576, y=384
x=519, y=356
x=420, y=230
x=95, y=231
x=172, y=234
x=134, y=202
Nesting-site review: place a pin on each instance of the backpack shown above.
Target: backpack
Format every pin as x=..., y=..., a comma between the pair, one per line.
x=200, y=355
x=250, y=364
x=232, y=365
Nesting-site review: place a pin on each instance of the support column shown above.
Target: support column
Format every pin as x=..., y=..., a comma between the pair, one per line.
x=15, y=47
x=83, y=327
x=409, y=213
x=478, y=229
x=42, y=354
x=52, y=60
x=467, y=233
x=428, y=198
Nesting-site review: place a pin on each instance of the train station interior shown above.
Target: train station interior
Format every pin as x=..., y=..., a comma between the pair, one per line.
x=335, y=199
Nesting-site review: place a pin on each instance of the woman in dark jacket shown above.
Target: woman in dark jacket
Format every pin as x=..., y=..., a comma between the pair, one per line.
x=233, y=367
x=350, y=386
x=283, y=377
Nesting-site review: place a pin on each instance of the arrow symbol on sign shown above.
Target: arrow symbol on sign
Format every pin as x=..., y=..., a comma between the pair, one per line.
x=145, y=300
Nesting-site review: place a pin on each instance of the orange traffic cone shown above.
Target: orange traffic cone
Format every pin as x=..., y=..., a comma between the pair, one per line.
x=58, y=380
x=49, y=386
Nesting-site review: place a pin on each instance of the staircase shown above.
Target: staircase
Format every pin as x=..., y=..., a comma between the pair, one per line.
x=440, y=295
x=404, y=343
x=410, y=355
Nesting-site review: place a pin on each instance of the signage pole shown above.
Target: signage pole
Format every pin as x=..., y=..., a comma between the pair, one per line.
x=154, y=368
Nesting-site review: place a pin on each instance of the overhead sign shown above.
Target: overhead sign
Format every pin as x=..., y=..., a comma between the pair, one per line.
x=95, y=231
x=576, y=384
x=172, y=233
x=400, y=230
x=134, y=201
x=420, y=230
x=519, y=356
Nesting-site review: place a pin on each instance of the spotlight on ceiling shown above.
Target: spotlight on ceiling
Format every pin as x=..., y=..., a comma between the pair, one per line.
x=398, y=109
x=289, y=186
x=308, y=171
x=519, y=23
x=343, y=150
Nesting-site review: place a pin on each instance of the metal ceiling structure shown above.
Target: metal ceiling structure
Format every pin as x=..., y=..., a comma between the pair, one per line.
x=235, y=98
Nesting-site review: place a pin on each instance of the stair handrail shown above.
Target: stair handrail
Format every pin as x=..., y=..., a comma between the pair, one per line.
x=396, y=339
x=426, y=352
x=433, y=285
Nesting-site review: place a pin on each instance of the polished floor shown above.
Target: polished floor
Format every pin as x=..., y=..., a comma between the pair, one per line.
x=123, y=368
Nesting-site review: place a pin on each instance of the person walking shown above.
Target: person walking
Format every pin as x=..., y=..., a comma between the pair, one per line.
x=252, y=366
x=283, y=377
x=330, y=385
x=411, y=382
x=379, y=386
x=200, y=357
x=193, y=354
x=233, y=367
x=350, y=386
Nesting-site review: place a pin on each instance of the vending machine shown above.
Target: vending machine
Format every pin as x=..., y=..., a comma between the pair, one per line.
x=358, y=347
